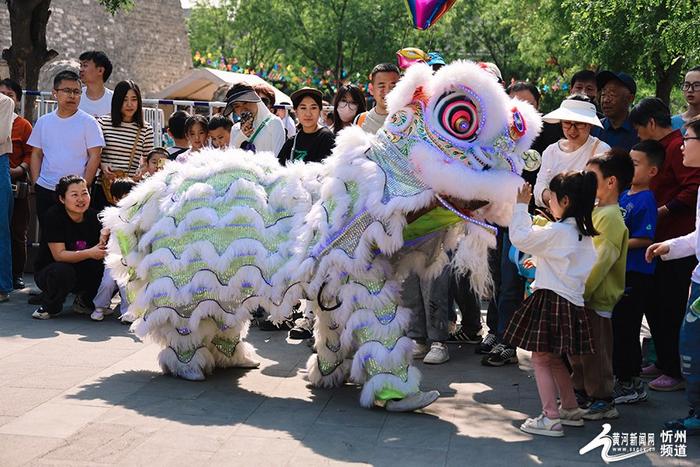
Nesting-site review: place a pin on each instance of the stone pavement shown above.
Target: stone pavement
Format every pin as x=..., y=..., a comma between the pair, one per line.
x=75, y=392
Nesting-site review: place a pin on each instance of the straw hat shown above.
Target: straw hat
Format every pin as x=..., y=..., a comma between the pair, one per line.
x=572, y=110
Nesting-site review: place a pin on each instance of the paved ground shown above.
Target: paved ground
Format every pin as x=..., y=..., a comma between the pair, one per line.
x=74, y=392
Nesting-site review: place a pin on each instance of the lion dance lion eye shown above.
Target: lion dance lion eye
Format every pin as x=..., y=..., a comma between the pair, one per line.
x=459, y=116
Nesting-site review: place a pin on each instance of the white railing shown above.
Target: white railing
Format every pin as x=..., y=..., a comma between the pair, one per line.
x=152, y=111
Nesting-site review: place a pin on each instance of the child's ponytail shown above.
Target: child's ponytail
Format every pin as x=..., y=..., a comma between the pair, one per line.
x=580, y=188
x=584, y=219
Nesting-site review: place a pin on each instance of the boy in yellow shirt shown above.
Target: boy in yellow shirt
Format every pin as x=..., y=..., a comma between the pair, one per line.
x=593, y=374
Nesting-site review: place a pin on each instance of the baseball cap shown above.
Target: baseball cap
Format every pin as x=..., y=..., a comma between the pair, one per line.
x=606, y=76
x=299, y=94
x=436, y=59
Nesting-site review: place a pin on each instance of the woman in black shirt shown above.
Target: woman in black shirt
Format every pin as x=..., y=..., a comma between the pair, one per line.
x=313, y=142
x=71, y=253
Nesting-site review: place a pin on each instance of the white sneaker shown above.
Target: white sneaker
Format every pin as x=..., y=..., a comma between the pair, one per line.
x=438, y=354
x=544, y=426
x=100, y=313
x=572, y=417
x=412, y=402
x=420, y=350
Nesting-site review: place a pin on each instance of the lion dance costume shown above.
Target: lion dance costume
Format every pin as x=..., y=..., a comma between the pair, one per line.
x=202, y=244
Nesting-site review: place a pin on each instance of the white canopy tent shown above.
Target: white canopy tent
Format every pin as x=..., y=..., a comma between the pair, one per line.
x=200, y=84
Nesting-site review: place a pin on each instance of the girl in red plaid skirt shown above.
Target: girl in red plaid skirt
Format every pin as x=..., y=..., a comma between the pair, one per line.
x=551, y=322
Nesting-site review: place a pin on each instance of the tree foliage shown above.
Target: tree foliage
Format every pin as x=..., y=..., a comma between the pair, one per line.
x=540, y=40
x=654, y=39
x=29, y=50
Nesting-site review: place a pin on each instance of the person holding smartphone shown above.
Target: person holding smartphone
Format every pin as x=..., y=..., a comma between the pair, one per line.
x=258, y=129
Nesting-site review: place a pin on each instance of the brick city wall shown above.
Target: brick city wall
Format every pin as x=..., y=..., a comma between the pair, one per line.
x=148, y=44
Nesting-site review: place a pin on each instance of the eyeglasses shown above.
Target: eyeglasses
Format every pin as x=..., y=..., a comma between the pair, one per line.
x=71, y=91
x=350, y=105
x=693, y=87
x=577, y=125
x=686, y=138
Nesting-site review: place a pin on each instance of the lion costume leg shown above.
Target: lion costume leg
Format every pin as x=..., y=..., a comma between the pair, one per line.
x=328, y=367
x=369, y=322
x=184, y=350
x=227, y=345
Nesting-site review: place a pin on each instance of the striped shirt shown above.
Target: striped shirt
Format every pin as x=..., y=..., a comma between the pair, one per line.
x=119, y=141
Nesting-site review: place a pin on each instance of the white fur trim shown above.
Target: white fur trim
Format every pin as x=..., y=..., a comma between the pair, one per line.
x=170, y=364
x=333, y=380
x=400, y=355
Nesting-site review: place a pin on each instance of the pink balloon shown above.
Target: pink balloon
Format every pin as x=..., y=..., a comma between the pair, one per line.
x=425, y=13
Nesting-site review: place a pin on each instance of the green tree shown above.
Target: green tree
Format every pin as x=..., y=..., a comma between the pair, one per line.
x=28, y=51
x=344, y=36
x=653, y=39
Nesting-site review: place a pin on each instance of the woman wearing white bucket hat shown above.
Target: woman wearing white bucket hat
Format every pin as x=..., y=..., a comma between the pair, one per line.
x=577, y=116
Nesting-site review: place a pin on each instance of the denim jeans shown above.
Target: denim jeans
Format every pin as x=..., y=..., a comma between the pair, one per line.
x=6, y=201
x=690, y=350
x=429, y=303
x=108, y=287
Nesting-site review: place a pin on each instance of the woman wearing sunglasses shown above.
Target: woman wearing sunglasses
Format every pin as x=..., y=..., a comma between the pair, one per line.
x=577, y=116
x=348, y=104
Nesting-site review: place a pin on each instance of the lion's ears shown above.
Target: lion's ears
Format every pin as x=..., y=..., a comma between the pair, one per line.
x=524, y=124
x=411, y=86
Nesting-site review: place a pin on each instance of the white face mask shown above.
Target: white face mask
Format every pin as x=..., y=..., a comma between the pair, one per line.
x=346, y=113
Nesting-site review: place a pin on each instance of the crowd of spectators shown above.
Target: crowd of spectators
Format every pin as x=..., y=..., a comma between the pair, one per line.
x=95, y=146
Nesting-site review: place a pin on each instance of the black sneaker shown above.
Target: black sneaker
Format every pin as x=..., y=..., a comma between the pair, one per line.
x=582, y=399
x=625, y=392
x=302, y=329
x=267, y=325
x=81, y=307
x=500, y=355
x=487, y=344
x=639, y=386
x=460, y=336
x=18, y=283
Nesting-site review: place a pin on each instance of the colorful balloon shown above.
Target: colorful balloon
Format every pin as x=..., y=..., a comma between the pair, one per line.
x=410, y=55
x=426, y=12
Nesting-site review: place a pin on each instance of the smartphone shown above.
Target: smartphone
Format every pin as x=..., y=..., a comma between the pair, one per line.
x=246, y=117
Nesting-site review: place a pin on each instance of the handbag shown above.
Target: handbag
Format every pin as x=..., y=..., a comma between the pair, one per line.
x=107, y=183
x=20, y=188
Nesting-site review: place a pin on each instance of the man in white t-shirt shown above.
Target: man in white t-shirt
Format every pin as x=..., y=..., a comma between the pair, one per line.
x=66, y=141
x=95, y=69
x=382, y=80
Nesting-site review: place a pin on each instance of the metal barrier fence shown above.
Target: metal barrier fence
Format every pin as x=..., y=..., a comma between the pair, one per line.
x=153, y=112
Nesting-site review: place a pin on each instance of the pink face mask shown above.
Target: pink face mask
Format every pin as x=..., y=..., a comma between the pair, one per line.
x=347, y=111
